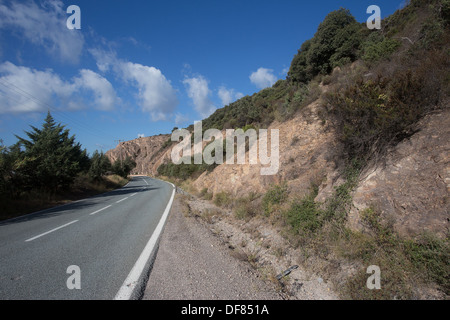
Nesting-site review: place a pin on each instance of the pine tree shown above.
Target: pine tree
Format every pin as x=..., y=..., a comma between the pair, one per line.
x=100, y=165
x=51, y=159
x=123, y=168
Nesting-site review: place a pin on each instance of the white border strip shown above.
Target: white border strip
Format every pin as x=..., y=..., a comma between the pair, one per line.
x=126, y=290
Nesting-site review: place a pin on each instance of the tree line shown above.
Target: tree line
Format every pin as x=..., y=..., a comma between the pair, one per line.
x=50, y=159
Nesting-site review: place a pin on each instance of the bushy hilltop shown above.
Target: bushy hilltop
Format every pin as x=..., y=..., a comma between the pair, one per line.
x=399, y=73
x=364, y=127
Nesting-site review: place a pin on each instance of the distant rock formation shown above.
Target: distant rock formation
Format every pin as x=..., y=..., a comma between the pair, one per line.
x=146, y=152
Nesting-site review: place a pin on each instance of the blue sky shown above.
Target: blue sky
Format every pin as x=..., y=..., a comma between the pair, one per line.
x=143, y=67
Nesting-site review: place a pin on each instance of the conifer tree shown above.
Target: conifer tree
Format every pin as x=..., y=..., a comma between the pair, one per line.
x=100, y=165
x=51, y=158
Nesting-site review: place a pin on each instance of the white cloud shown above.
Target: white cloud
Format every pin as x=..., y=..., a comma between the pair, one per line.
x=45, y=26
x=104, y=95
x=25, y=90
x=228, y=95
x=263, y=78
x=141, y=135
x=198, y=91
x=155, y=93
x=104, y=59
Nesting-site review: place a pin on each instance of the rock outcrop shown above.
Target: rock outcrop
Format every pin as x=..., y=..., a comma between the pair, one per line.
x=410, y=187
x=146, y=152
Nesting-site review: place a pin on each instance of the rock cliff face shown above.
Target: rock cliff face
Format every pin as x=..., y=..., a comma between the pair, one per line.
x=305, y=148
x=410, y=187
x=145, y=151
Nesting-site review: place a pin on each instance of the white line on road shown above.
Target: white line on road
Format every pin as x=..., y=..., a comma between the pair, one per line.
x=145, y=181
x=126, y=290
x=122, y=200
x=99, y=210
x=133, y=194
x=43, y=234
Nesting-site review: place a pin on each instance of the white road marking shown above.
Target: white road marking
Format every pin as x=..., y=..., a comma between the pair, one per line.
x=126, y=290
x=45, y=233
x=145, y=181
x=133, y=194
x=100, y=210
x=122, y=200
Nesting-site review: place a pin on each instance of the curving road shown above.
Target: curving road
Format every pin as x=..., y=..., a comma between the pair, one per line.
x=97, y=246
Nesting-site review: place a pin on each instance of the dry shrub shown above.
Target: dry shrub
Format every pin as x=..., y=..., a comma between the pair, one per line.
x=376, y=113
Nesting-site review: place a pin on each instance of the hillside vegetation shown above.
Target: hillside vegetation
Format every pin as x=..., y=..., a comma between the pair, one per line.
x=384, y=82
x=372, y=90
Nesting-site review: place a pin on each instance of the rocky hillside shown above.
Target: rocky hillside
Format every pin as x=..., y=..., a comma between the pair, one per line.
x=364, y=149
x=410, y=186
x=147, y=152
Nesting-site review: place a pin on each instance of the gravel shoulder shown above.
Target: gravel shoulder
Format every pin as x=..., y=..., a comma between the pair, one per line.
x=194, y=264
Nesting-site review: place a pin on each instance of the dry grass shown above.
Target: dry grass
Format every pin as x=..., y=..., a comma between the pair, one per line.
x=410, y=268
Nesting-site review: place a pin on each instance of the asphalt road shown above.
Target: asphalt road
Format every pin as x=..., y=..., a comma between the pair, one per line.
x=103, y=236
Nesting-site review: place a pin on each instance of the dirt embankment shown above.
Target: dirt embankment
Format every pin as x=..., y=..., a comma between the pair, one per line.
x=410, y=187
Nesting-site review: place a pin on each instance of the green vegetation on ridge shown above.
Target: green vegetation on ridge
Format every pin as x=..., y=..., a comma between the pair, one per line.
x=387, y=81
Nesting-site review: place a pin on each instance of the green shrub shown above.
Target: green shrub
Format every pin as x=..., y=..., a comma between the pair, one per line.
x=427, y=257
x=431, y=256
x=100, y=165
x=274, y=196
x=335, y=43
x=243, y=208
x=205, y=194
x=123, y=167
x=337, y=205
x=432, y=33
x=184, y=171
x=223, y=199
x=384, y=234
x=304, y=216
x=372, y=114
x=377, y=47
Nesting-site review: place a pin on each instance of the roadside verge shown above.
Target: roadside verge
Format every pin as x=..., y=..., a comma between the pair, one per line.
x=192, y=264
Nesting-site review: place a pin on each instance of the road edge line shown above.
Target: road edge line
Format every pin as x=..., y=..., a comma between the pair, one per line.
x=131, y=282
